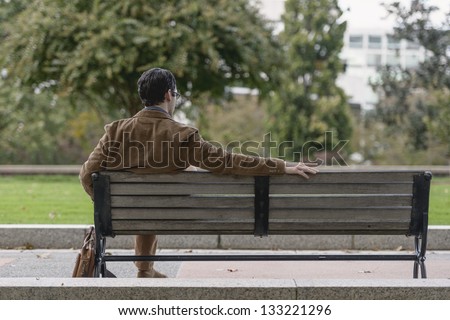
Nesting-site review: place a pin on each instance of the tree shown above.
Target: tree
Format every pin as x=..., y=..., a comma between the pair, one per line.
x=97, y=49
x=38, y=127
x=308, y=103
x=401, y=107
x=414, y=23
x=416, y=101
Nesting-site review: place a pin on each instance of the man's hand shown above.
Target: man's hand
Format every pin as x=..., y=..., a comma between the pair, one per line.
x=301, y=169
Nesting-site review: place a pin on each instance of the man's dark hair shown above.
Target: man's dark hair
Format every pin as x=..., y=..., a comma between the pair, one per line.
x=153, y=84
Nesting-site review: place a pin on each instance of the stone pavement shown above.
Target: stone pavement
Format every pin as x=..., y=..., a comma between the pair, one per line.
x=36, y=263
x=45, y=274
x=53, y=263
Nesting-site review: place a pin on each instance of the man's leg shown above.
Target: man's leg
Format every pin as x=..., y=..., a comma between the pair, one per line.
x=145, y=245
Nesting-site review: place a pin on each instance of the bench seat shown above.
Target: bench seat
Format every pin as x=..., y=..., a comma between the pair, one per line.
x=333, y=202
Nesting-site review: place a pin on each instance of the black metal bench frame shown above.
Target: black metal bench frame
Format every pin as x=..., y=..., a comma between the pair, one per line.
x=418, y=228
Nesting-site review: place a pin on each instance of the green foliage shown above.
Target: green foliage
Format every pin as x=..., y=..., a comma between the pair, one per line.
x=38, y=127
x=235, y=123
x=84, y=57
x=308, y=103
x=98, y=49
x=414, y=23
x=385, y=145
x=401, y=107
x=89, y=54
x=439, y=123
x=414, y=103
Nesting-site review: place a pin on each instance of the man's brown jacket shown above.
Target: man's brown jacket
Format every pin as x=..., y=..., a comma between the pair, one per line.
x=152, y=142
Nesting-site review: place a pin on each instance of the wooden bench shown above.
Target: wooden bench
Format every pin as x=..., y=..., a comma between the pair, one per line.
x=330, y=203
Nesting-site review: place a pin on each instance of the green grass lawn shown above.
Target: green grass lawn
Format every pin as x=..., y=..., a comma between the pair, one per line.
x=44, y=200
x=440, y=201
x=62, y=200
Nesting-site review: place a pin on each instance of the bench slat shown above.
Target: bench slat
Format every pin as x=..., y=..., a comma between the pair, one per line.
x=357, y=201
x=181, y=201
x=181, y=213
x=347, y=177
x=322, y=177
x=181, y=177
x=352, y=214
x=294, y=201
x=342, y=188
x=179, y=189
x=217, y=213
x=189, y=188
x=278, y=232
x=248, y=227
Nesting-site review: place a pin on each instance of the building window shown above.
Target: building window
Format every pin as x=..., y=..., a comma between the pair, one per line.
x=411, y=61
x=356, y=41
x=374, y=60
x=392, y=60
x=393, y=44
x=375, y=42
x=412, y=45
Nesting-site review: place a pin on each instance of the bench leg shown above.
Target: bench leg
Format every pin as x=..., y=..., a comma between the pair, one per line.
x=419, y=263
x=103, y=269
x=99, y=254
x=100, y=263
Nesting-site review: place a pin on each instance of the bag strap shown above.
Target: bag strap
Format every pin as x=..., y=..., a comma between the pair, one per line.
x=90, y=237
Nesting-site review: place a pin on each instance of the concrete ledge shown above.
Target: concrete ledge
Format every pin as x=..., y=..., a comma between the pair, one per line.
x=413, y=289
x=35, y=236
x=221, y=289
x=39, y=169
x=75, y=169
x=71, y=236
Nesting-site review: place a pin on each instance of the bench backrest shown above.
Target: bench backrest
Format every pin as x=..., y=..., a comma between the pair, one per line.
x=332, y=202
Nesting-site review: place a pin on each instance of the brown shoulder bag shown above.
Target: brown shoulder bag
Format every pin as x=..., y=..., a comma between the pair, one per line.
x=85, y=262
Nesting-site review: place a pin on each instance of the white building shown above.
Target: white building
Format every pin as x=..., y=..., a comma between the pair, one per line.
x=364, y=51
x=365, y=47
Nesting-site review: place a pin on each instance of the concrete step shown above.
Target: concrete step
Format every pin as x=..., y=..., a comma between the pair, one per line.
x=219, y=289
x=46, y=275
x=71, y=236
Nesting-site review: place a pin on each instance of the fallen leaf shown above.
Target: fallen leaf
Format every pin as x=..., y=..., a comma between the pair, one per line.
x=43, y=256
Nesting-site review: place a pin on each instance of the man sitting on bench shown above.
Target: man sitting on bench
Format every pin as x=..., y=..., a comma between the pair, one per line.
x=153, y=142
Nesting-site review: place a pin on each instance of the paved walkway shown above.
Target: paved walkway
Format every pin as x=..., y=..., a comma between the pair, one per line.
x=59, y=264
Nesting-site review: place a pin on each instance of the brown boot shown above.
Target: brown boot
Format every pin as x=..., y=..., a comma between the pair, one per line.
x=150, y=274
